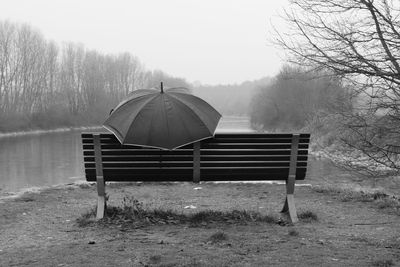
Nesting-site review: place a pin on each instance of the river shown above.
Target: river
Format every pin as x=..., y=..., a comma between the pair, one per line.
x=47, y=159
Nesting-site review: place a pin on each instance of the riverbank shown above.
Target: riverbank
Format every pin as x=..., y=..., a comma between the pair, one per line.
x=57, y=130
x=337, y=228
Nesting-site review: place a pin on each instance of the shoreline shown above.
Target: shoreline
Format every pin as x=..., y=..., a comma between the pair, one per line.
x=93, y=127
x=38, y=132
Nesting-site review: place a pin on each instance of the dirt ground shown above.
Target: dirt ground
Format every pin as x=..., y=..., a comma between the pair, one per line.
x=40, y=229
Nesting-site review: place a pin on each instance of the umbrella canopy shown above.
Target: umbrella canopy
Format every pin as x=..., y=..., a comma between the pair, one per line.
x=165, y=119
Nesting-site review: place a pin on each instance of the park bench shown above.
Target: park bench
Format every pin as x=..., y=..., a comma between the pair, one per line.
x=224, y=157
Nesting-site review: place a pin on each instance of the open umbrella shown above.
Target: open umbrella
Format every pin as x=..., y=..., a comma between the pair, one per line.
x=165, y=119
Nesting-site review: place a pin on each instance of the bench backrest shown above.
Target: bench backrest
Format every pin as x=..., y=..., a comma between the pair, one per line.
x=225, y=157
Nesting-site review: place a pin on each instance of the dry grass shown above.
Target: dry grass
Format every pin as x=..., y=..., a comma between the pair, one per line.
x=308, y=216
x=218, y=237
x=293, y=232
x=227, y=228
x=134, y=214
x=382, y=263
x=379, y=199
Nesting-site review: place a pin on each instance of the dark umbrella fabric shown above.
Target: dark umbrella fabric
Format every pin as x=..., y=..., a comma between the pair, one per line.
x=166, y=120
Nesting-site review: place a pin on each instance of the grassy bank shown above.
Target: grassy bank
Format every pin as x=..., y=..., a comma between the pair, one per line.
x=216, y=225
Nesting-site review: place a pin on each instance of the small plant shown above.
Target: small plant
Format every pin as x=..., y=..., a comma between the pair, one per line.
x=389, y=203
x=308, y=216
x=293, y=232
x=379, y=195
x=155, y=259
x=382, y=263
x=84, y=185
x=87, y=218
x=218, y=237
x=132, y=205
x=326, y=190
x=25, y=198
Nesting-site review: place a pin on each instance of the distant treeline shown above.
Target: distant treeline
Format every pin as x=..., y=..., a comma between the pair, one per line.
x=231, y=99
x=45, y=85
x=297, y=99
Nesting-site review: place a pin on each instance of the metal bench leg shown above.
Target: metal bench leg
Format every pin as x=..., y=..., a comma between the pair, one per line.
x=101, y=198
x=101, y=192
x=196, y=162
x=289, y=206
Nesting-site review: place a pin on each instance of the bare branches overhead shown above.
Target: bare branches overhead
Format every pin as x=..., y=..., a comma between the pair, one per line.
x=358, y=40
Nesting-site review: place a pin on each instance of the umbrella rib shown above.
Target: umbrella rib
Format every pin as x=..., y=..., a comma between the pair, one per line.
x=190, y=108
x=147, y=102
x=180, y=116
x=134, y=98
x=166, y=116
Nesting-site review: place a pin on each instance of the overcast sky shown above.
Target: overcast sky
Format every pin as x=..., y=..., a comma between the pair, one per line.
x=210, y=41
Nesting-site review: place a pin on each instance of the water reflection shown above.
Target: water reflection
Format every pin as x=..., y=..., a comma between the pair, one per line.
x=40, y=160
x=46, y=159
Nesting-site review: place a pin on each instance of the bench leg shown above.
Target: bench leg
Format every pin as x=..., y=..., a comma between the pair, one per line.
x=289, y=206
x=101, y=198
x=101, y=191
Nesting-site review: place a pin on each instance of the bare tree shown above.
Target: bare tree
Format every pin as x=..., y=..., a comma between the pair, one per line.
x=44, y=84
x=358, y=40
x=71, y=76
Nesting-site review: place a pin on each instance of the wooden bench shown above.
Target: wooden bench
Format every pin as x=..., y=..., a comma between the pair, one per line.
x=225, y=157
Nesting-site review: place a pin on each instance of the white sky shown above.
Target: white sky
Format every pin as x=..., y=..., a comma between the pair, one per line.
x=211, y=41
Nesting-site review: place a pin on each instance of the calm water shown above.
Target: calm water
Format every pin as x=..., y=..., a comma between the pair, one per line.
x=56, y=158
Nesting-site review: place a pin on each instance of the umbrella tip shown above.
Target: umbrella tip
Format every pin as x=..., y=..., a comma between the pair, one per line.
x=162, y=88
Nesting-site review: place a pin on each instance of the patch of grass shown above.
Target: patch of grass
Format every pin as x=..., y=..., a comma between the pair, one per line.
x=360, y=239
x=218, y=237
x=382, y=263
x=308, y=216
x=326, y=189
x=25, y=199
x=155, y=259
x=87, y=218
x=379, y=195
x=347, y=195
x=380, y=199
x=85, y=185
x=133, y=213
x=293, y=232
x=124, y=184
x=386, y=203
x=229, y=216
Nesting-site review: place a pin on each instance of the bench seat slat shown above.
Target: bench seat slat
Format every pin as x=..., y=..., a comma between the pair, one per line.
x=223, y=176
x=259, y=135
x=226, y=152
x=171, y=164
x=109, y=141
x=213, y=146
x=231, y=158
x=253, y=140
x=222, y=135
